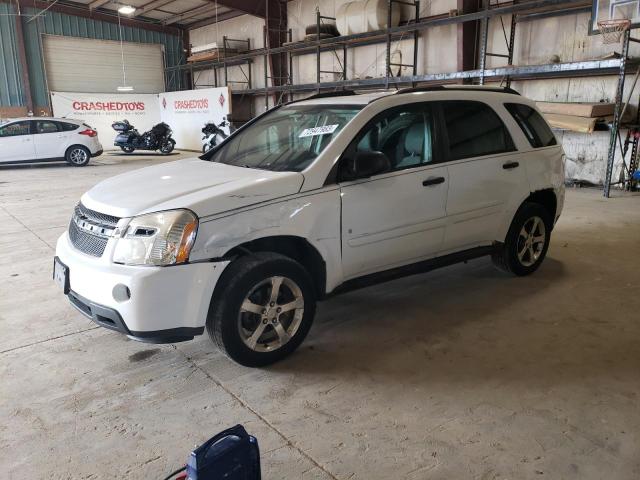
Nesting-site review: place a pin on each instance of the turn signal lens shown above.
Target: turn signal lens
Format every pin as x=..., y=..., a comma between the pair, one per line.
x=186, y=242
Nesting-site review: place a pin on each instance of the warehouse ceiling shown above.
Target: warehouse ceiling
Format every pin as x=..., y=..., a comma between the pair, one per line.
x=180, y=13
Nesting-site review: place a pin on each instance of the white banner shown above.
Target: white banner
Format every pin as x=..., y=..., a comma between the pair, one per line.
x=100, y=110
x=187, y=111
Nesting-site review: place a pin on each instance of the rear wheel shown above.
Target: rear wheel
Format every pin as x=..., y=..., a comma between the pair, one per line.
x=263, y=310
x=78, y=156
x=527, y=241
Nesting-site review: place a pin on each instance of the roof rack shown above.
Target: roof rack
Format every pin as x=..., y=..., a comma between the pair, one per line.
x=440, y=88
x=336, y=93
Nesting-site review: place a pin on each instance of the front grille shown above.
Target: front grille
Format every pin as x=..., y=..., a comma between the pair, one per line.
x=89, y=231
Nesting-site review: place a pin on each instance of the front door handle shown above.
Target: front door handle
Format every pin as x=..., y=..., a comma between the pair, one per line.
x=510, y=165
x=433, y=181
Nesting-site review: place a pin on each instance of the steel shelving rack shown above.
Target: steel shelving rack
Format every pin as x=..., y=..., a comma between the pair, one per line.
x=491, y=9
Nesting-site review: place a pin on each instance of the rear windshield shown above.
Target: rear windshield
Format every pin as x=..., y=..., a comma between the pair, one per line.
x=287, y=139
x=534, y=127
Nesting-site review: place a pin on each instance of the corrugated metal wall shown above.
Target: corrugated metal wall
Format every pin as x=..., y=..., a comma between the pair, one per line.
x=54, y=23
x=10, y=73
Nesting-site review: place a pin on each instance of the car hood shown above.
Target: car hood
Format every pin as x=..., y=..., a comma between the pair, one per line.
x=206, y=188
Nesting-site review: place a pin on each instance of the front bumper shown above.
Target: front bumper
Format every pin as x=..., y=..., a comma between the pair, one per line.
x=166, y=304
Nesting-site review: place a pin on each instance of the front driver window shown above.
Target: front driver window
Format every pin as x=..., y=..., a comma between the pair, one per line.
x=15, y=129
x=404, y=135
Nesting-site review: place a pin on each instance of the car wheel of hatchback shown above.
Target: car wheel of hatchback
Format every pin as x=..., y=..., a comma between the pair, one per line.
x=78, y=156
x=263, y=310
x=527, y=241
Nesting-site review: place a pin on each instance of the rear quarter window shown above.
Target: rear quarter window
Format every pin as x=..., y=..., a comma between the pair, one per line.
x=68, y=127
x=534, y=127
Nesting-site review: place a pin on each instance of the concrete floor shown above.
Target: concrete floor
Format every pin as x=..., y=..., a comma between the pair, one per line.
x=460, y=373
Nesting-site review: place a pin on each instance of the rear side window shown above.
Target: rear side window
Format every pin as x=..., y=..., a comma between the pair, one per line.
x=533, y=126
x=68, y=127
x=46, y=126
x=474, y=129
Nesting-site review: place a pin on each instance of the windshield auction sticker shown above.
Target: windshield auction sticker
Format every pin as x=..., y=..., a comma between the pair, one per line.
x=325, y=130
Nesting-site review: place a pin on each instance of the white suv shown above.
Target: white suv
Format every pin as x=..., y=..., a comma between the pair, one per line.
x=312, y=198
x=46, y=139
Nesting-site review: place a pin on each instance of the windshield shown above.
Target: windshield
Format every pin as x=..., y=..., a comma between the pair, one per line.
x=287, y=139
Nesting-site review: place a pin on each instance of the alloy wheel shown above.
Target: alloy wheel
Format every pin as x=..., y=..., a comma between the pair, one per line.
x=531, y=241
x=271, y=314
x=78, y=156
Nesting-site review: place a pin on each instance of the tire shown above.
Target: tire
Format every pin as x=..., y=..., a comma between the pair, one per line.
x=77, y=155
x=242, y=311
x=325, y=28
x=127, y=149
x=522, y=252
x=167, y=147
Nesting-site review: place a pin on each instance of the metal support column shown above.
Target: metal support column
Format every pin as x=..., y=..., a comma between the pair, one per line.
x=511, y=45
x=615, y=127
x=484, y=33
x=224, y=60
x=22, y=57
x=416, y=38
x=266, y=68
x=387, y=70
x=318, y=48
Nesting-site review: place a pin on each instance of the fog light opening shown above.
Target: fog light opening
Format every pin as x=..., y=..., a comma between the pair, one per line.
x=121, y=293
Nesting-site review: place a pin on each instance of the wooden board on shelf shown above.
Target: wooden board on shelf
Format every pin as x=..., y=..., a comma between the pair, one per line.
x=573, y=123
x=211, y=55
x=582, y=109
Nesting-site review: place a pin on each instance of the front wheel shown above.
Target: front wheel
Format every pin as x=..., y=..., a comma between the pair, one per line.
x=167, y=147
x=127, y=149
x=78, y=156
x=263, y=309
x=527, y=241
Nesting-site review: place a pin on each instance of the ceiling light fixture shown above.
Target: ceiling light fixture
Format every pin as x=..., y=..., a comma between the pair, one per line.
x=126, y=9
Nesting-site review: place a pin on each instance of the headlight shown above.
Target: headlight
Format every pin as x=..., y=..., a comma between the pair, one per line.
x=162, y=238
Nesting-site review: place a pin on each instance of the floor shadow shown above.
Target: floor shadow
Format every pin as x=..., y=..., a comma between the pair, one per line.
x=463, y=323
x=25, y=166
x=147, y=153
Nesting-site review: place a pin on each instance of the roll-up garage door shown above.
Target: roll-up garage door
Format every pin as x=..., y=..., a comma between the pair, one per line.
x=95, y=66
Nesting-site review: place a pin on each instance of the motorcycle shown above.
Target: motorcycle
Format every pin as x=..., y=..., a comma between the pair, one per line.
x=129, y=139
x=214, y=134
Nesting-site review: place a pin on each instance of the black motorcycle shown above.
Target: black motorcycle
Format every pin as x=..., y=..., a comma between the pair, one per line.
x=158, y=138
x=214, y=135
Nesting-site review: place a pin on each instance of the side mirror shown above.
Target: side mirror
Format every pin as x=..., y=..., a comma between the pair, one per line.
x=366, y=164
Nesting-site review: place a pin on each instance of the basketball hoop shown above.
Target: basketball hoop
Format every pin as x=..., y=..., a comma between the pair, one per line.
x=612, y=30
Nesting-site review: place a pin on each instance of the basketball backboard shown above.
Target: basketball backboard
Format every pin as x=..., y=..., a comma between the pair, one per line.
x=614, y=10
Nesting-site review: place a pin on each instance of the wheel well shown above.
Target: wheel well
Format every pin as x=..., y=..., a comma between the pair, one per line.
x=296, y=248
x=77, y=145
x=546, y=198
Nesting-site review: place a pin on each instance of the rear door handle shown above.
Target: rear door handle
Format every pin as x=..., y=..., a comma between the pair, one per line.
x=432, y=181
x=510, y=165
